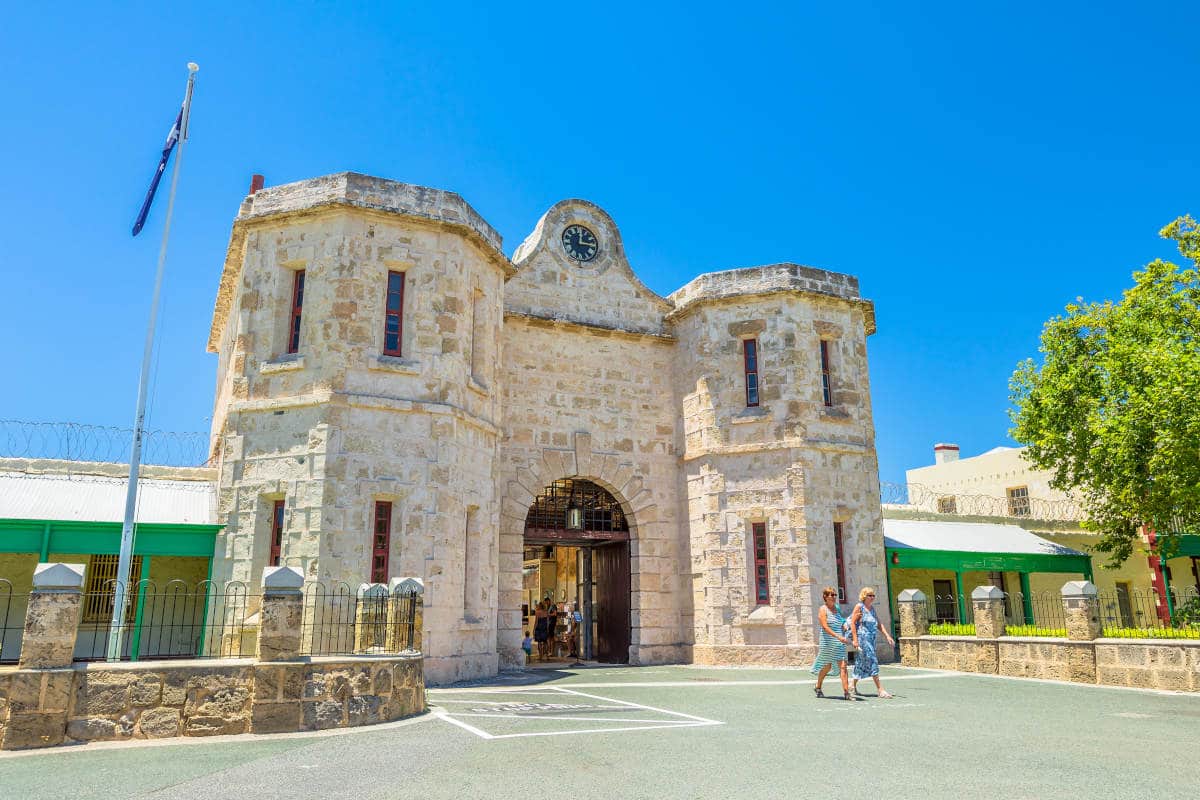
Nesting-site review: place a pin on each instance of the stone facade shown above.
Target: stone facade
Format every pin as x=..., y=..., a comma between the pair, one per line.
x=515, y=374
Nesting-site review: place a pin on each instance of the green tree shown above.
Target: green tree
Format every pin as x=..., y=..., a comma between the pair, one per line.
x=1113, y=411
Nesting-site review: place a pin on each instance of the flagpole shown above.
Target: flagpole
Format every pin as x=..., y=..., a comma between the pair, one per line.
x=121, y=593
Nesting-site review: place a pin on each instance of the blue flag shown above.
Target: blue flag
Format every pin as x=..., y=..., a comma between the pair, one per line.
x=172, y=139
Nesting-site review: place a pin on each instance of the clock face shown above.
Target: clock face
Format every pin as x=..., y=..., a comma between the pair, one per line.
x=580, y=243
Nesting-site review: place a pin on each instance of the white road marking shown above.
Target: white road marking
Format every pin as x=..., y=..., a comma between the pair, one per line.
x=685, y=721
x=458, y=714
x=463, y=725
x=689, y=684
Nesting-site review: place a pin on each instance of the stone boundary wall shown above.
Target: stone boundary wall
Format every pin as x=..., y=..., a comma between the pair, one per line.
x=1173, y=665
x=1082, y=657
x=155, y=700
x=48, y=700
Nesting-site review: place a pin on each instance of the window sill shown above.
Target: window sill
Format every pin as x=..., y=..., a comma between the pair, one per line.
x=762, y=615
x=398, y=364
x=752, y=414
x=288, y=363
x=479, y=387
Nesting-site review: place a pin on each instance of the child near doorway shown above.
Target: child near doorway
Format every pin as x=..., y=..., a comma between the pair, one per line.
x=527, y=645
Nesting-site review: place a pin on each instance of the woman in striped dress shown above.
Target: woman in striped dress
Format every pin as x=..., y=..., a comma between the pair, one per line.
x=832, y=643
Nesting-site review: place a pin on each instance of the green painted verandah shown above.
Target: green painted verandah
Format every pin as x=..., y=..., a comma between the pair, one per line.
x=958, y=562
x=45, y=537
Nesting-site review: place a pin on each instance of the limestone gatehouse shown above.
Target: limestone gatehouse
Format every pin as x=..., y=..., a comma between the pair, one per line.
x=680, y=474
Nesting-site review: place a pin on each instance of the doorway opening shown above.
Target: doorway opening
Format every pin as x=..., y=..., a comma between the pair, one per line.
x=576, y=585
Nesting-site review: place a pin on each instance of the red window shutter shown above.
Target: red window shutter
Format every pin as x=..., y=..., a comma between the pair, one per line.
x=393, y=314
x=297, y=307
x=381, y=542
x=276, y=533
x=762, y=590
x=839, y=556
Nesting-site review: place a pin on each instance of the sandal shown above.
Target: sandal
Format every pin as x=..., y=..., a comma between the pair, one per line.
x=848, y=696
x=818, y=692
x=884, y=694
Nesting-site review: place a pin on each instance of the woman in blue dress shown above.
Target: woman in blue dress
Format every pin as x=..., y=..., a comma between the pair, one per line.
x=864, y=626
x=832, y=644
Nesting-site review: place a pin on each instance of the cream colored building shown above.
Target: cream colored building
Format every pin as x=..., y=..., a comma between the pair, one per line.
x=1001, y=486
x=395, y=396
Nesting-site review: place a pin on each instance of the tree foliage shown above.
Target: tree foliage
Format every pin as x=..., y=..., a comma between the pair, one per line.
x=1113, y=411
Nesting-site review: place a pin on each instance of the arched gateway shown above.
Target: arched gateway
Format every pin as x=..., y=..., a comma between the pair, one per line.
x=576, y=553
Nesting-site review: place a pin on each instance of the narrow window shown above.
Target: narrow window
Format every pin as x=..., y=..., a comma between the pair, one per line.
x=947, y=505
x=750, y=355
x=381, y=542
x=839, y=555
x=297, y=306
x=1018, y=501
x=762, y=592
x=470, y=564
x=276, y=533
x=393, y=314
x=826, y=391
x=100, y=585
x=478, y=331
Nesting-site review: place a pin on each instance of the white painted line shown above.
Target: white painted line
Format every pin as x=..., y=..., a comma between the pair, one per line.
x=463, y=725
x=578, y=719
x=645, y=707
x=1053, y=682
x=608, y=730
x=699, y=684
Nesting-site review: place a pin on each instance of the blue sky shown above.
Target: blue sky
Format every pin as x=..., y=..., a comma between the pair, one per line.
x=977, y=168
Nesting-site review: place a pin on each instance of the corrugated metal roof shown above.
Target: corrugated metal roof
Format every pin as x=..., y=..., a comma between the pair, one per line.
x=94, y=498
x=969, y=537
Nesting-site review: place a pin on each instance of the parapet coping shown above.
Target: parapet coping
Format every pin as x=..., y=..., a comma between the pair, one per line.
x=589, y=327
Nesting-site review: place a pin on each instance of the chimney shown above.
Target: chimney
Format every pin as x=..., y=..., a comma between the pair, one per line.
x=256, y=183
x=944, y=453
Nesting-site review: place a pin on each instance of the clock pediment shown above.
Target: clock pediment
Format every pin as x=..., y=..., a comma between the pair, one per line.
x=573, y=267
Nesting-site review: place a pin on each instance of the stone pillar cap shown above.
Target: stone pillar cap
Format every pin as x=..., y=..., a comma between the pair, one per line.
x=48, y=577
x=911, y=596
x=1079, y=589
x=987, y=593
x=282, y=580
x=372, y=590
x=406, y=585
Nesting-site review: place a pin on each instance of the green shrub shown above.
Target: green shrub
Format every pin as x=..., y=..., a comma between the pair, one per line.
x=1034, y=630
x=1151, y=633
x=951, y=629
x=1187, y=614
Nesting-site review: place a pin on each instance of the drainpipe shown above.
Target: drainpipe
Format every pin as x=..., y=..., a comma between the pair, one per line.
x=1026, y=598
x=962, y=608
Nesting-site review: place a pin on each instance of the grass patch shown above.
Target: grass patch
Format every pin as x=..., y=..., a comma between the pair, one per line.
x=1151, y=633
x=1034, y=630
x=951, y=629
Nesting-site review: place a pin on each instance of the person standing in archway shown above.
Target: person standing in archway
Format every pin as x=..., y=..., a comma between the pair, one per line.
x=832, y=644
x=541, y=629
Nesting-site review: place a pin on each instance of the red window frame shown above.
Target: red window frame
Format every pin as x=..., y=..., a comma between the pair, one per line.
x=826, y=385
x=839, y=556
x=276, y=533
x=750, y=362
x=297, y=308
x=762, y=571
x=393, y=314
x=381, y=541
